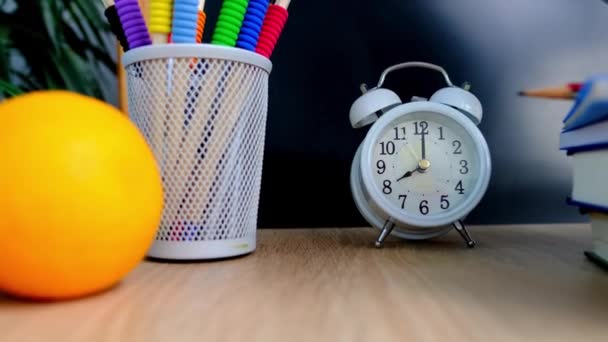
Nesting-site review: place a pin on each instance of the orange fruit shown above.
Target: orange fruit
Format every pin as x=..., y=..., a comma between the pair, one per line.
x=80, y=195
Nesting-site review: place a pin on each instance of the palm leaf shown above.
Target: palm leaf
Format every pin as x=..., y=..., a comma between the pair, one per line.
x=50, y=16
x=55, y=44
x=93, y=26
x=7, y=89
x=24, y=79
x=4, y=52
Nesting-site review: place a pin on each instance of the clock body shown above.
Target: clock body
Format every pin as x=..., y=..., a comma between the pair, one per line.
x=423, y=166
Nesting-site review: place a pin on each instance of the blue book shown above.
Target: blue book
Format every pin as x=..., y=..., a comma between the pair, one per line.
x=590, y=137
x=591, y=104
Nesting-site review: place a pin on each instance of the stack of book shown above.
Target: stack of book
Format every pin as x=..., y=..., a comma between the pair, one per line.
x=584, y=137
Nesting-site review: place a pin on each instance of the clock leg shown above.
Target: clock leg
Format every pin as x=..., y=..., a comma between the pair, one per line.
x=386, y=230
x=459, y=226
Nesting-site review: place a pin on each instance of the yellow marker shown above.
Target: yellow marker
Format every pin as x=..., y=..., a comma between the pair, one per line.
x=160, y=20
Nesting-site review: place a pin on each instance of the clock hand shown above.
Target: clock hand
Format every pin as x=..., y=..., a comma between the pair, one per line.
x=409, y=173
x=422, y=166
x=423, y=146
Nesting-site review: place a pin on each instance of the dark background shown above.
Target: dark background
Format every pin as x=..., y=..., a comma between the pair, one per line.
x=328, y=48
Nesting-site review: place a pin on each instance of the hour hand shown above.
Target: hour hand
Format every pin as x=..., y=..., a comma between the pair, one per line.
x=408, y=174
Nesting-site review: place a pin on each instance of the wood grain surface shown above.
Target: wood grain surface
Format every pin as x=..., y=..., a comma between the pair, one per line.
x=522, y=283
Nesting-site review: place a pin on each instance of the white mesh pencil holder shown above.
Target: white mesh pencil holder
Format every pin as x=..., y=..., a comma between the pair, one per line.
x=202, y=110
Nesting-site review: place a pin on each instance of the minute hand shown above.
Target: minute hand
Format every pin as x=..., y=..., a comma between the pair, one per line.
x=423, y=146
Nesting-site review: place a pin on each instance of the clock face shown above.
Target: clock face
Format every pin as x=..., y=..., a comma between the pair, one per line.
x=425, y=164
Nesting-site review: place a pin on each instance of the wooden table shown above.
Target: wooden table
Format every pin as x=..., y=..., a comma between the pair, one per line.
x=520, y=283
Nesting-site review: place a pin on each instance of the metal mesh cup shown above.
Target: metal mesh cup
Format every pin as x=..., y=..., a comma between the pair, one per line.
x=202, y=110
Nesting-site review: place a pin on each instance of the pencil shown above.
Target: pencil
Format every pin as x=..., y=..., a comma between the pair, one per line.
x=229, y=22
x=202, y=19
x=565, y=92
x=274, y=21
x=252, y=24
x=115, y=25
x=160, y=20
x=133, y=23
x=185, y=21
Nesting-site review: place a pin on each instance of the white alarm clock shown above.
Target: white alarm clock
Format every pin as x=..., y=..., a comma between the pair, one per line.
x=424, y=165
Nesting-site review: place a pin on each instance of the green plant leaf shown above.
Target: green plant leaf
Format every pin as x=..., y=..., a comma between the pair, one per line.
x=9, y=89
x=67, y=66
x=97, y=23
x=28, y=82
x=102, y=56
x=51, y=18
x=49, y=81
x=5, y=53
x=56, y=44
x=89, y=52
x=90, y=26
x=93, y=11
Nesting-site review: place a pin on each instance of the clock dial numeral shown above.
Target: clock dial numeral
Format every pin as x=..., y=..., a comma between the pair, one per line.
x=459, y=188
x=441, y=133
x=387, y=148
x=421, y=127
x=399, y=133
x=381, y=165
x=424, y=208
x=458, y=146
x=444, y=202
x=464, y=167
x=402, y=198
x=387, y=190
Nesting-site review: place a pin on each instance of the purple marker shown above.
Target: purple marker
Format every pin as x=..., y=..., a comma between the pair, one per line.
x=133, y=23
